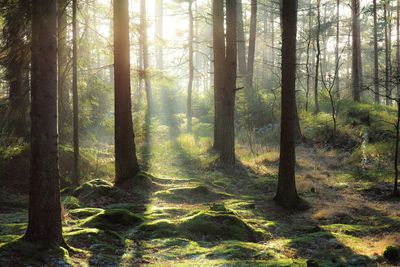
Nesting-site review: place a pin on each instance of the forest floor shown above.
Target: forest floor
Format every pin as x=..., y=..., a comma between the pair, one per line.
x=187, y=210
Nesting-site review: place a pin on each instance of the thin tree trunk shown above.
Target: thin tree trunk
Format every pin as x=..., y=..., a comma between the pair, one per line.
x=159, y=35
x=376, y=69
x=63, y=89
x=126, y=164
x=356, y=71
x=219, y=70
x=396, y=154
x=241, y=43
x=147, y=83
x=308, y=74
x=398, y=47
x=191, y=71
x=252, y=44
x=75, y=99
x=286, y=194
x=337, y=80
x=316, y=81
x=44, y=225
x=387, y=54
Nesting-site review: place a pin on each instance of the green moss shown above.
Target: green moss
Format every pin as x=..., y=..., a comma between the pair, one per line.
x=310, y=239
x=22, y=253
x=85, y=212
x=204, y=225
x=98, y=188
x=71, y=202
x=353, y=229
x=233, y=250
x=13, y=228
x=111, y=218
x=86, y=237
x=211, y=225
x=8, y=238
x=159, y=229
x=197, y=194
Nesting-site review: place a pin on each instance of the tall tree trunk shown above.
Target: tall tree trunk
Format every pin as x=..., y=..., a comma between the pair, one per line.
x=376, y=68
x=286, y=193
x=387, y=54
x=241, y=43
x=337, y=80
x=126, y=164
x=191, y=71
x=317, y=64
x=308, y=65
x=228, y=99
x=252, y=44
x=75, y=104
x=147, y=83
x=356, y=71
x=265, y=69
x=63, y=87
x=219, y=70
x=159, y=35
x=398, y=47
x=44, y=225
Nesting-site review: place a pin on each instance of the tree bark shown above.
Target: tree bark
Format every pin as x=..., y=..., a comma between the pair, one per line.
x=227, y=154
x=126, y=164
x=356, y=70
x=44, y=225
x=219, y=69
x=286, y=195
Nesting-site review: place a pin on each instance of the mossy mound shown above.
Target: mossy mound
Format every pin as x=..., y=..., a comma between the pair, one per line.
x=160, y=229
x=22, y=253
x=207, y=225
x=84, y=212
x=197, y=194
x=98, y=188
x=213, y=225
x=112, y=218
x=88, y=237
x=235, y=250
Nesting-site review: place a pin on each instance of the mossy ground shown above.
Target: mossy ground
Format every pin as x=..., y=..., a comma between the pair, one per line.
x=199, y=213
